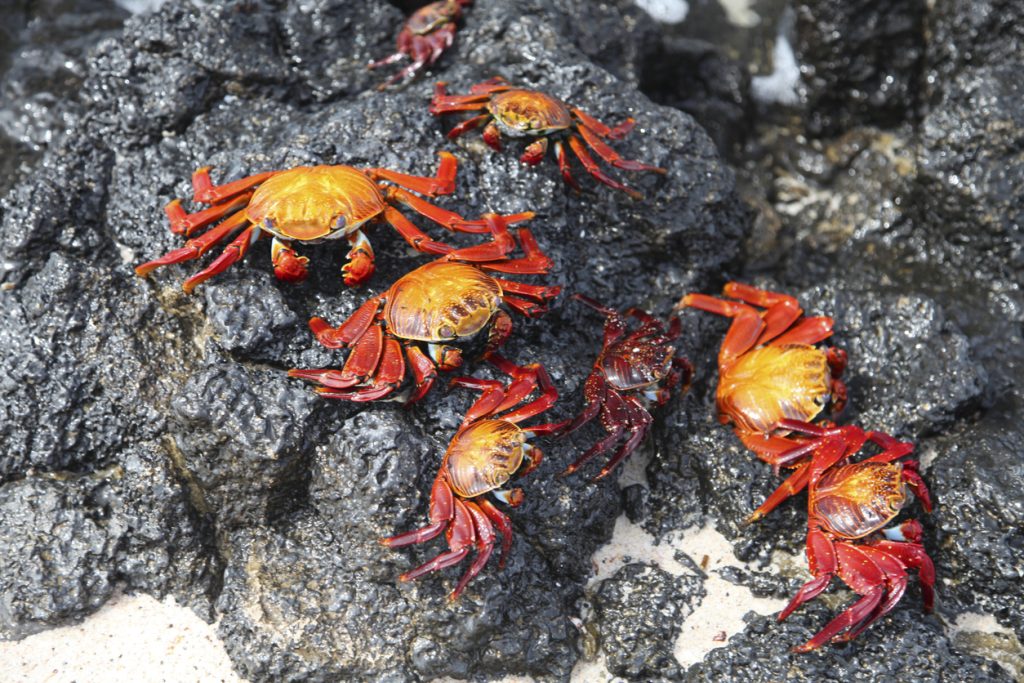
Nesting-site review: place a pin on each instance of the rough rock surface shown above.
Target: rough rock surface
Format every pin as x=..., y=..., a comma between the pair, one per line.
x=150, y=441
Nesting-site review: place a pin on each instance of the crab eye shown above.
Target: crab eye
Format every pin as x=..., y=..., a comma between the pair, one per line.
x=446, y=332
x=340, y=223
x=268, y=223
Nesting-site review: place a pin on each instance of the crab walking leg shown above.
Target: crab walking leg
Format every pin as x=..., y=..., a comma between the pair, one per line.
x=387, y=377
x=361, y=362
x=807, y=331
x=504, y=525
x=614, y=413
x=611, y=156
x=485, y=539
x=196, y=246
x=639, y=424
x=350, y=330
x=442, y=509
x=594, y=389
x=593, y=169
x=468, y=125
x=416, y=238
x=490, y=86
x=390, y=59
x=182, y=223
x=461, y=536
x=203, y=189
x=914, y=555
x=441, y=183
x=232, y=253
x=896, y=581
x=534, y=261
x=446, y=219
x=443, y=103
x=794, y=484
x=563, y=166
x=616, y=133
x=750, y=327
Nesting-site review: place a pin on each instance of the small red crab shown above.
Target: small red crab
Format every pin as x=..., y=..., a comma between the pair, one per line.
x=485, y=453
x=849, y=503
x=424, y=37
x=448, y=299
x=518, y=112
x=769, y=368
x=632, y=366
x=310, y=204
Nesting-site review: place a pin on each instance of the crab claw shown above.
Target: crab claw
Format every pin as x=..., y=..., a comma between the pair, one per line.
x=288, y=265
x=358, y=270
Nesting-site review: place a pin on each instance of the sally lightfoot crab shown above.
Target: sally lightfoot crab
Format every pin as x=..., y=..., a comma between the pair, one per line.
x=489, y=448
x=424, y=37
x=310, y=204
x=849, y=503
x=518, y=112
x=769, y=367
x=450, y=299
x=634, y=367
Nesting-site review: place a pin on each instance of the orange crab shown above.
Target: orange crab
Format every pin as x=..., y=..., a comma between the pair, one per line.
x=769, y=368
x=446, y=300
x=311, y=204
x=849, y=503
x=484, y=454
x=634, y=367
x=518, y=112
x=424, y=37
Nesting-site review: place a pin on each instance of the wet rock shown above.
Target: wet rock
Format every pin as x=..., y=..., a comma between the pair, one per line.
x=971, y=182
x=638, y=613
x=902, y=642
x=861, y=62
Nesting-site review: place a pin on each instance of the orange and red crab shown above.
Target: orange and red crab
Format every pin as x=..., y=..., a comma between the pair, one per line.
x=446, y=300
x=424, y=37
x=849, y=503
x=489, y=448
x=769, y=367
x=518, y=112
x=634, y=367
x=310, y=204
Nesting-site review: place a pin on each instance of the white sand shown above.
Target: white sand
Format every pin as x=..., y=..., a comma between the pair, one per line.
x=134, y=639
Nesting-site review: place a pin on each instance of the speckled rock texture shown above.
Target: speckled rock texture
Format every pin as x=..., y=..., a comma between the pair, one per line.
x=151, y=441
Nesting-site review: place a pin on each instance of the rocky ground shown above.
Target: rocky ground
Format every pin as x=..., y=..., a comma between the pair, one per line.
x=151, y=441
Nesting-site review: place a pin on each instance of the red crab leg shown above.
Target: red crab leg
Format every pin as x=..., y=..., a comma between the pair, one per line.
x=417, y=239
x=616, y=133
x=547, y=398
x=442, y=102
x=501, y=330
x=447, y=219
x=424, y=372
x=195, y=247
x=362, y=361
x=490, y=86
x=484, y=546
x=504, y=524
x=467, y=125
x=186, y=223
x=593, y=398
x=441, y=183
x=743, y=333
x=442, y=509
x=231, y=254
x=896, y=581
x=914, y=555
x=390, y=59
x=640, y=423
x=524, y=381
x=611, y=156
x=532, y=291
x=352, y=329
x=593, y=169
x=563, y=166
x=530, y=309
x=794, y=484
x=388, y=376
x=807, y=331
x=460, y=536
x=769, y=447
x=822, y=563
x=203, y=189
x=535, y=261
x=492, y=396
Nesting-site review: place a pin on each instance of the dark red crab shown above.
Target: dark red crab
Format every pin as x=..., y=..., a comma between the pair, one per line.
x=634, y=368
x=849, y=503
x=449, y=299
x=424, y=37
x=489, y=448
x=518, y=112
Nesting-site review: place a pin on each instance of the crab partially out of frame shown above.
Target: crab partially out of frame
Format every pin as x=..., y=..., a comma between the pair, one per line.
x=310, y=204
x=450, y=299
x=489, y=448
x=425, y=36
x=518, y=113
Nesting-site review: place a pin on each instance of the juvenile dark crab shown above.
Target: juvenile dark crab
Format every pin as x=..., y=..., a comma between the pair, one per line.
x=446, y=300
x=310, y=204
x=849, y=503
x=518, y=113
x=632, y=366
x=489, y=448
x=769, y=368
x=424, y=37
